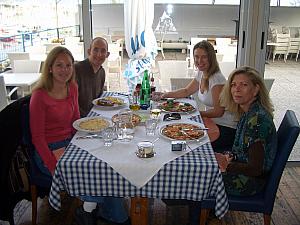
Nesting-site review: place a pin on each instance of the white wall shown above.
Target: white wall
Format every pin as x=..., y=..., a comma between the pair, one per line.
x=191, y=20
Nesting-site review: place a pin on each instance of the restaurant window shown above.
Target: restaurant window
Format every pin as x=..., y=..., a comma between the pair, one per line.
x=26, y=25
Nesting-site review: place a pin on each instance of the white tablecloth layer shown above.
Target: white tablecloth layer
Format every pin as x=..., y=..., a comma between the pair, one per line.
x=122, y=158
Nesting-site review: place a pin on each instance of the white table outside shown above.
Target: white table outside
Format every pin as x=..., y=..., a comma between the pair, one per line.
x=20, y=79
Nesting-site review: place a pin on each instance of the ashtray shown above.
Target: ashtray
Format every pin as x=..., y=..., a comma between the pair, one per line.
x=145, y=149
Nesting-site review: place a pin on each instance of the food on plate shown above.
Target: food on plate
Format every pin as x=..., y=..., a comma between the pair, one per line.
x=136, y=119
x=110, y=101
x=94, y=124
x=182, y=131
x=174, y=106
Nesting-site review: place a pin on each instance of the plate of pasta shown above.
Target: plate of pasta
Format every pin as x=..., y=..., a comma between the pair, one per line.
x=93, y=124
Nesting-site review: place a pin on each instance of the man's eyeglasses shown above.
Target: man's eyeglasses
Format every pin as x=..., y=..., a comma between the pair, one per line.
x=171, y=116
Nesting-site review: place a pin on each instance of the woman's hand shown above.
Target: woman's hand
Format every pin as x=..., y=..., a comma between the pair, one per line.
x=223, y=161
x=157, y=96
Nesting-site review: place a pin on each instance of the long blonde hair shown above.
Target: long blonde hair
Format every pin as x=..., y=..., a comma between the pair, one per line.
x=263, y=97
x=46, y=80
x=212, y=58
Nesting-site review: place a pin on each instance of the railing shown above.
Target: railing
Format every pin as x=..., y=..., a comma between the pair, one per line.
x=20, y=42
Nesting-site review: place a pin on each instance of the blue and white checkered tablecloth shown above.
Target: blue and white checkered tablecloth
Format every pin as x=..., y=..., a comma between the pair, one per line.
x=193, y=176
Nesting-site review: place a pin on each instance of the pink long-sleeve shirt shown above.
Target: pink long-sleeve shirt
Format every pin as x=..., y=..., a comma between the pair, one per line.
x=51, y=121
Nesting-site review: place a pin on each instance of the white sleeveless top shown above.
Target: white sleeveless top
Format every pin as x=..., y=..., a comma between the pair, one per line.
x=218, y=78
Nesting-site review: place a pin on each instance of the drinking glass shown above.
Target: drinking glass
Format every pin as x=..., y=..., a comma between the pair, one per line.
x=151, y=125
x=108, y=135
x=134, y=102
x=125, y=126
x=155, y=113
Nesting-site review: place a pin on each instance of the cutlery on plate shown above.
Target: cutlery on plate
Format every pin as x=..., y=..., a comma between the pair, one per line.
x=200, y=128
x=122, y=94
x=91, y=136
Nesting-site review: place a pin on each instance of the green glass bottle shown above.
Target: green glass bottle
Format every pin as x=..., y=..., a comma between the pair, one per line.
x=145, y=91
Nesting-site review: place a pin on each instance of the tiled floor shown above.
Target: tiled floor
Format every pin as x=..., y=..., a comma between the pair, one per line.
x=284, y=93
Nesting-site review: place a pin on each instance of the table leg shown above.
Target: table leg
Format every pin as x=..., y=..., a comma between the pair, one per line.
x=139, y=211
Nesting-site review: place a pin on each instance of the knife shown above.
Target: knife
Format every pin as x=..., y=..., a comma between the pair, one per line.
x=89, y=136
x=200, y=128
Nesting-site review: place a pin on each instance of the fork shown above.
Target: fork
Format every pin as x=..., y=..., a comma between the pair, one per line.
x=185, y=133
x=200, y=128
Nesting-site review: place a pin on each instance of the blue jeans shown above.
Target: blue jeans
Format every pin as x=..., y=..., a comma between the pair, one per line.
x=111, y=208
x=53, y=146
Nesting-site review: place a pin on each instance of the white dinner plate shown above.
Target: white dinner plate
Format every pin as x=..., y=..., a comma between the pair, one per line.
x=94, y=129
x=181, y=112
x=115, y=106
x=196, y=124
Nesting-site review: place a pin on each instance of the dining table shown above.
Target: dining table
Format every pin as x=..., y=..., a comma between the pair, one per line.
x=23, y=80
x=88, y=168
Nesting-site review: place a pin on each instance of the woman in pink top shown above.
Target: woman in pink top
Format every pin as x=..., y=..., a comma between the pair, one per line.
x=53, y=109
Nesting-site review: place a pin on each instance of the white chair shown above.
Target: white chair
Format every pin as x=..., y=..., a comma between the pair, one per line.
x=226, y=68
x=171, y=68
x=120, y=43
x=27, y=66
x=114, y=66
x=50, y=46
x=12, y=56
x=294, y=47
x=5, y=97
x=282, y=47
x=195, y=40
x=177, y=83
x=107, y=37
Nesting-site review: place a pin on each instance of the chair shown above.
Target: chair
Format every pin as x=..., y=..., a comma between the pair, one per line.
x=12, y=56
x=114, y=66
x=294, y=47
x=39, y=183
x=287, y=133
x=226, y=68
x=27, y=66
x=171, y=68
x=107, y=37
x=4, y=97
x=282, y=46
x=50, y=46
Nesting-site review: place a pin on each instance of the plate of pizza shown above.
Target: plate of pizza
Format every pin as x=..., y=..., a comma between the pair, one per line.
x=183, y=131
x=109, y=102
x=93, y=124
x=136, y=119
x=177, y=106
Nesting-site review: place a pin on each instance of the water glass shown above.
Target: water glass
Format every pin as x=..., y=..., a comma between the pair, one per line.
x=155, y=113
x=151, y=125
x=108, y=135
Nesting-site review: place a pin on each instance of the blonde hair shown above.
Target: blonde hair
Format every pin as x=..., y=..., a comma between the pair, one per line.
x=212, y=58
x=256, y=79
x=46, y=80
